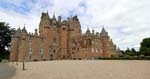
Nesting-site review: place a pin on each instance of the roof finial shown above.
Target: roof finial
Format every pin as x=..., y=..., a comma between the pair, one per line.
x=47, y=10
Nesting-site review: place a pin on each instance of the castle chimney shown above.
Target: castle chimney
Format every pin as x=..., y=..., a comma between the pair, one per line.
x=59, y=19
x=93, y=32
x=35, y=32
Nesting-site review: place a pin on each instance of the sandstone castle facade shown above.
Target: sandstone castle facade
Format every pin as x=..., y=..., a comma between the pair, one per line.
x=58, y=40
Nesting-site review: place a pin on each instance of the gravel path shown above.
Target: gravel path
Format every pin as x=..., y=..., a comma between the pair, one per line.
x=84, y=69
x=6, y=71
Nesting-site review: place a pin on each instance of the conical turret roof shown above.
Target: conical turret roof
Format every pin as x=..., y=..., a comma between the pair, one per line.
x=104, y=32
x=17, y=34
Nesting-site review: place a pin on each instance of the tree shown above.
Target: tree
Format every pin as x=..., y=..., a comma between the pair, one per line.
x=5, y=38
x=130, y=52
x=145, y=47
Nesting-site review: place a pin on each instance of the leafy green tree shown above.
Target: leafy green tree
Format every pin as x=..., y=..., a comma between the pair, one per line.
x=5, y=38
x=145, y=47
x=130, y=52
x=133, y=50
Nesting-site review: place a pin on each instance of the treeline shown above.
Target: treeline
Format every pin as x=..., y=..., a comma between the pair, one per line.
x=143, y=51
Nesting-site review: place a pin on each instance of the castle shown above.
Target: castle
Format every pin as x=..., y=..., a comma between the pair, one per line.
x=59, y=40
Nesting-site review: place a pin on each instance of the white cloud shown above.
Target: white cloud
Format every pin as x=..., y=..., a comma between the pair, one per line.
x=126, y=21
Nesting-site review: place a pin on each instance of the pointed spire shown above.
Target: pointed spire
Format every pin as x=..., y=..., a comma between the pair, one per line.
x=36, y=34
x=54, y=16
x=59, y=19
x=103, y=29
x=17, y=33
x=47, y=11
x=93, y=31
x=24, y=29
x=111, y=41
x=19, y=29
x=88, y=31
x=103, y=32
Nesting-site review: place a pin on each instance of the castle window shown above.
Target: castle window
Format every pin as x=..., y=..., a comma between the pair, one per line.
x=84, y=42
x=72, y=52
x=96, y=50
x=78, y=49
x=30, y=41
x=41, y=56
x=54, y=51
x=92, y=50
x=92, y=42
x=63, y=28
x=30, y=53
x=29, y=57
x=41, y=53
x=100, y=51
x=30, y=50
x=73, y=48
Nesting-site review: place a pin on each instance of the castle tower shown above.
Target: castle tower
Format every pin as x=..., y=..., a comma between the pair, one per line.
x=14, y=45
x=74, y=30
x=23, y=46
x=105, y=43
x=77, y=26
x=48, y=29
x=44, y=24
x=64, y=39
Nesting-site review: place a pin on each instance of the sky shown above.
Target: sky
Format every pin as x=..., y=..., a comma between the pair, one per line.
x=127, y=21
